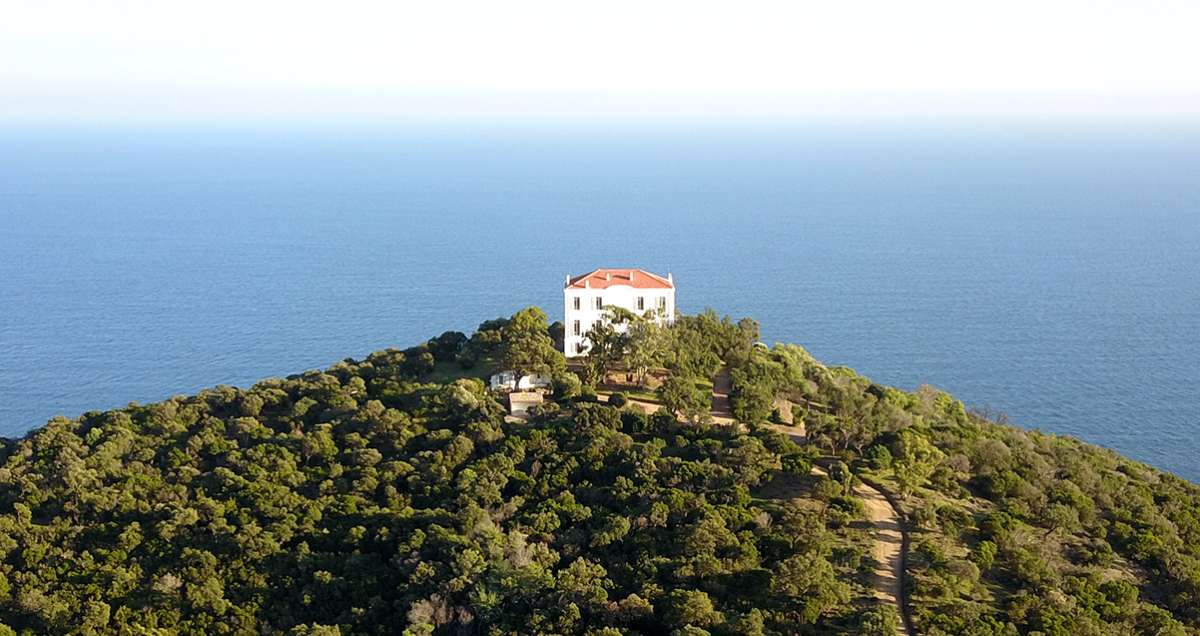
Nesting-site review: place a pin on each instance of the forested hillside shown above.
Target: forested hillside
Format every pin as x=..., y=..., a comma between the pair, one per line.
x=1012, y=531
x=367, y=499
x=392, y=495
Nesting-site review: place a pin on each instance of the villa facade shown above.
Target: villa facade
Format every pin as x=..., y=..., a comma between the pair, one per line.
x=587, y=297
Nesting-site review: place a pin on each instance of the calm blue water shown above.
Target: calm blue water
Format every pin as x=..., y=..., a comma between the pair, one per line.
x=1050, y=274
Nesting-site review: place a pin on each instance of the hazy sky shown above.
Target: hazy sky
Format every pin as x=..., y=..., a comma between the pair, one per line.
x=447, y=59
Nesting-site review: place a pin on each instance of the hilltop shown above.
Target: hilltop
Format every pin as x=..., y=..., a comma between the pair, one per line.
x=393, y=494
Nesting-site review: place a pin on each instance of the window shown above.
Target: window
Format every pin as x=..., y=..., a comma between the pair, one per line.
x=641, y=303
x=576, y=303
x=599, y=302
x=662, y=303
x=575, y=327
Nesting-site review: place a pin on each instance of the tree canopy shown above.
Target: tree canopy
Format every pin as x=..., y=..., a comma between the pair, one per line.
x=372, y=498
x=527, y=345
x=391, y=495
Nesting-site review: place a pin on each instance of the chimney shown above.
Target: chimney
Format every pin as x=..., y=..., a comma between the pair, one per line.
x=607, y=275
x=632, y=272
x=670, y=280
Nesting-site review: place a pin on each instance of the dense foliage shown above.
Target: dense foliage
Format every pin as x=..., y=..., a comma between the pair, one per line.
x=1013, y=531
x=392, y=495
x=383, y=496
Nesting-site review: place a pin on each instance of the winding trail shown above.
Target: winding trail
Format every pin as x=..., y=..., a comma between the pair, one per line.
x=889, y=548
x=722, y=412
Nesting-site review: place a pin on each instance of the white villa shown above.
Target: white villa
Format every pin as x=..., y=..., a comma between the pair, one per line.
x=587, y=296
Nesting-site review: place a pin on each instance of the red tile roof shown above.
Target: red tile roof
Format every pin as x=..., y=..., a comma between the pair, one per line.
x=603, y=278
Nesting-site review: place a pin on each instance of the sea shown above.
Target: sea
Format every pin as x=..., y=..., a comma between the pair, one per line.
x=1049, y=272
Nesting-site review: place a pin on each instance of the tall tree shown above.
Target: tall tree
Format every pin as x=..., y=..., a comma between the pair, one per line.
x=608, y=343
x=915, y=462
x=680, y=395
x=646, y=346
x=527, y=347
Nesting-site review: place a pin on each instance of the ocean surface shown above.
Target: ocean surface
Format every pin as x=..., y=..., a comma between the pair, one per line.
x=1049, y=273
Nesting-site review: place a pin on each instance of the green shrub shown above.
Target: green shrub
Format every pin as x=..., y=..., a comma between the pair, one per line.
x=565, y=386
x=587, y=395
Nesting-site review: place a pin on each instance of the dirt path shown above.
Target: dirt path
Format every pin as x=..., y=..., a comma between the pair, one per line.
x=888, y=546
x=722, y=413
x=888, y=551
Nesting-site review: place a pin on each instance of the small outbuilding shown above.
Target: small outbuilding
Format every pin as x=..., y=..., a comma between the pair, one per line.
x=507, y=381
x=519, y=402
